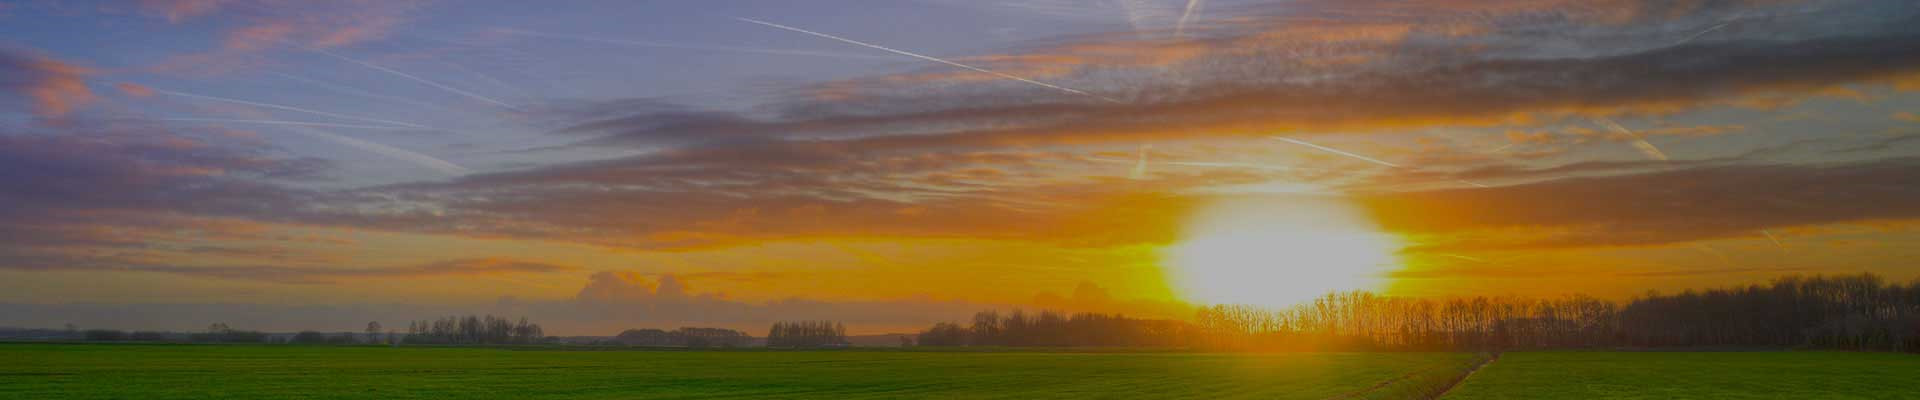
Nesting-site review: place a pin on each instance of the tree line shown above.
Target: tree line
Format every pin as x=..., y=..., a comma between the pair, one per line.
x=215, y=333
x=684, y=337
x=473, y=329
x=1859, y=312
x=1052, y=329
x=802, y=334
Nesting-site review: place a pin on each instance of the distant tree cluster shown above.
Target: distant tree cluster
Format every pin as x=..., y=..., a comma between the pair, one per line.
x=317, y=337
x=104, y=335
x=221, y=333
x=216, y=333
x=1861, y=312
x=1365, y=321
x=1048, y=328
x=472, y=329
x=684, y=337
x=803, y=334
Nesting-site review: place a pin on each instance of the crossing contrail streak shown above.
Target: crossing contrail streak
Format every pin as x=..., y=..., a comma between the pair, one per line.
x=1140, y=167
x=1703, y=33
x=1640, y=143
x=700, y=47
x=423, y=160
x=1209, y=164
x=485, y=77
x=288, y=108
x=1337, y=151
x=1729, y=21
x=1365, y=158
x=1239, y=165
x=293, y=123
x=1180, y=27
x=419, y=79
x=356, y=91
x=933, y=59
x=1776, y=240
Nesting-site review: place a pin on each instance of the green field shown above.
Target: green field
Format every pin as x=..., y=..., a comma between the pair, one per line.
x=1678, y=375
x=132, y=371
x=39, y=371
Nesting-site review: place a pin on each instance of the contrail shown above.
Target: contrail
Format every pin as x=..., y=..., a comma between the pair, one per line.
x=1461, y=257
x=419, y=79
x=681, y=46
x=1337, y=151
x=1715, y=252
x=356, y=91
x=294, y=123
x=1729, y=21
x=1140, y=168
x=1180, y=27
x=1776, y=241
x=489, y=78
x=423, y=160
x=933, y=59
x=1365, y=158
x=1638, y=142
x=289, y=108
x=1704, y=33
x=1210, y=164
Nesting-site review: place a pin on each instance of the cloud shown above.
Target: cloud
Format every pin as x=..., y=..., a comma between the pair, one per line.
x=631, y=296
x=180, y=10
x=52, y=87
x=1653, y=208
x=1272, y=75
x=102, y=193
x=278, y=26
x=335, y=275
x=133, y=89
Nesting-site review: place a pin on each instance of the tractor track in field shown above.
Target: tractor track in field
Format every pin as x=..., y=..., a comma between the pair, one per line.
x=1430, y=395
x=1463, y=377
x=1377, y=386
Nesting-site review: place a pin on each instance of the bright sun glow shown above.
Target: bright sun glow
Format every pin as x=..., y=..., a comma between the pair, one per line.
x=1261, y=253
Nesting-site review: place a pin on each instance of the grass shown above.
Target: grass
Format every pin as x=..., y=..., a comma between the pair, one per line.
x=1688, y=375
x=95, y=371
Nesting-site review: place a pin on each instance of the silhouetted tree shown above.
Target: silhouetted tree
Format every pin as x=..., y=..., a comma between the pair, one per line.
x=1860, y=312
x=802, y=334
x=474, y=329
x=684, y=337
x=373, y=332
x=105, y=335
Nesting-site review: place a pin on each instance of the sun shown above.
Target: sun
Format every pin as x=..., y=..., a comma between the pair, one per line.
x=1261, y=252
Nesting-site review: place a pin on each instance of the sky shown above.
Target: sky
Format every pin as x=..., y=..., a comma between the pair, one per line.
x=598, y=166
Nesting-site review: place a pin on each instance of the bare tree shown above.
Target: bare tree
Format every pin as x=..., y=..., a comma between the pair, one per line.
x=373, y=332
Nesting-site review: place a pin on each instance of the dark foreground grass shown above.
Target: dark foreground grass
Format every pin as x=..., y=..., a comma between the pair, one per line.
x=55, y=371
x=1678, y=375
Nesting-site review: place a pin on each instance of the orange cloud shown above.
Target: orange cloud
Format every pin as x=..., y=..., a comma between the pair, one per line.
x=259, y=36
x=181, y=10
x=292, y=25
x=134, y=89
x=54, y=87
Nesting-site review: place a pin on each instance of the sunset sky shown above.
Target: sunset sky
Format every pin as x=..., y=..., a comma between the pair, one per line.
x=597, y=166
